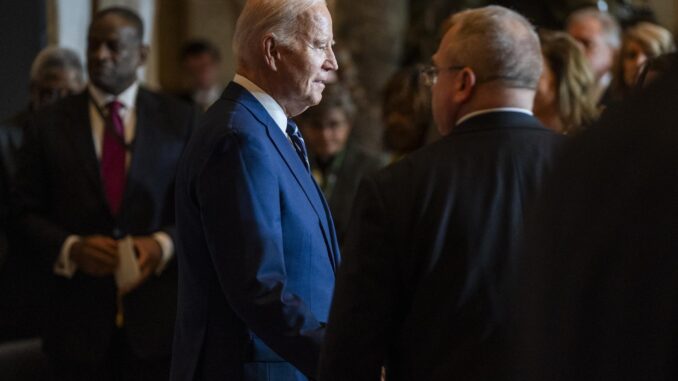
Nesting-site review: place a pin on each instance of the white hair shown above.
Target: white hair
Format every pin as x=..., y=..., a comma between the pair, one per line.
x=55, y=58
x=610, y=27
x=260, y=17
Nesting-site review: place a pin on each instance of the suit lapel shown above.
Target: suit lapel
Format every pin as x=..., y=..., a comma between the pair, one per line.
x=304, y=179
x=79, y=128
x=143, y=144
x=289, y=156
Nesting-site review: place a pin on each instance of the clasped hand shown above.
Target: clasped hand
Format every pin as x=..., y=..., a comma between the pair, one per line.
x=97, y=256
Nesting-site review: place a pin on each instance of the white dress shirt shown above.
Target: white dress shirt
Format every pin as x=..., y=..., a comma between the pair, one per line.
x=64, y=266
x=272, y=107
x=490, y=110
x=205, y=98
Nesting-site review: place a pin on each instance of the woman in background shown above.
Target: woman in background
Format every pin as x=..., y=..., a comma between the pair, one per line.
x=564, y=101
x=337, y=164
x=656, y=68
x=406, y=113
x=640, y=43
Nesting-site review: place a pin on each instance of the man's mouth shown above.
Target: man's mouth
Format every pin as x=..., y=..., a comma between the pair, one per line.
x=101, y=69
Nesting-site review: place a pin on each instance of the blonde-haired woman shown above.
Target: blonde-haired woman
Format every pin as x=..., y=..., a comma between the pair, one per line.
x=564, y=101
x=640, y=43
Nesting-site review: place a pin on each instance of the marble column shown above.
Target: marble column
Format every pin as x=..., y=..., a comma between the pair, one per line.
x=374, y=32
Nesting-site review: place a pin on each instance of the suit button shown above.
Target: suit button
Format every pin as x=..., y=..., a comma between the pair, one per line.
x=116, y=233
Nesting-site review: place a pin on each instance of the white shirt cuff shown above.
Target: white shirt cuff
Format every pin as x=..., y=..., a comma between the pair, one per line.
x=167, y=248
x=63, y=265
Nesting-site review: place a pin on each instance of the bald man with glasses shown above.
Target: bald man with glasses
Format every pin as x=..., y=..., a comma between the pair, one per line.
x=418, y=291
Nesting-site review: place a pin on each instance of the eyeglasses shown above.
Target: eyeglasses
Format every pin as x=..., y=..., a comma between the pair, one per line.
x=429, y=74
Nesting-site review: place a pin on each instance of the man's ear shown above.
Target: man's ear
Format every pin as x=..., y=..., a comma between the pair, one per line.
x=144, y=51
x=271, y=51
x=466, y=83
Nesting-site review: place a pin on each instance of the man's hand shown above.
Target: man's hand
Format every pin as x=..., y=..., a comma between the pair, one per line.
x=96, y=255
x=149, y=255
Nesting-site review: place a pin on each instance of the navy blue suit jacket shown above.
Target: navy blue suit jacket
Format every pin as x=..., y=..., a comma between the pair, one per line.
x=257, y=251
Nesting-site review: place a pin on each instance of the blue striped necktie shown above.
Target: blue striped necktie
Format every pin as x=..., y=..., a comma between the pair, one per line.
x=298, y=142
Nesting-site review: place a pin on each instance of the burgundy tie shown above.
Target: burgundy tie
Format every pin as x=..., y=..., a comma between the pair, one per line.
x=113, y=157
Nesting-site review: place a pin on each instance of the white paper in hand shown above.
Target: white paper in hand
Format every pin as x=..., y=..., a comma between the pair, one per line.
x=128, y=268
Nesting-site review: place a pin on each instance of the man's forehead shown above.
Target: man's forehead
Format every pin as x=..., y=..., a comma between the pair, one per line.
x=435, y=59
x=112, y=26
x=450, y=36
x=316, y=22
x=448, y=40
x=588, y=26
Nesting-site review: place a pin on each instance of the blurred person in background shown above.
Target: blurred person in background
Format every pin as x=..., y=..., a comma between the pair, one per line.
x=406, y=113
x=95, y=185
x=55, y=73
x=600, y=35
x=656, y=68
x=595, y=289
x=337, y=165
x=201, y=64
x=640, y=43
x=564, y=100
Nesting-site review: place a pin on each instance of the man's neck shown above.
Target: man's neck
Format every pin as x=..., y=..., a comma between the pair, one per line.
x=127, y=96
x=264, y=84
x=493, y=97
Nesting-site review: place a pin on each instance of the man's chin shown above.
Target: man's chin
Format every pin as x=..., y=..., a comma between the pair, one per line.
x=103, y=84
x=316, y=98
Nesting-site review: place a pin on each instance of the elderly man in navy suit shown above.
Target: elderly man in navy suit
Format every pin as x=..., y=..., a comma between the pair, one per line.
x=257, y=246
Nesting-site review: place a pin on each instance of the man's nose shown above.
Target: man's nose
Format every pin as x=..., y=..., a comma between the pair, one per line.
x=331, y=62
x=100, y=52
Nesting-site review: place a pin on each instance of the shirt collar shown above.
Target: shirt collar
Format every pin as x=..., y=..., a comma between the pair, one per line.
x=272, y=107
x=127, y=98
x=490, y=110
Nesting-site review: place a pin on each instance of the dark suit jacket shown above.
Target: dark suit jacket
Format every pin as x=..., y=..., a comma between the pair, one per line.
x=19, y=282
x=356, y=163
x=11, y=136
x=428, y=239
x=257, y=250
x=59, y=193
x=4, y=209
x=596, y=288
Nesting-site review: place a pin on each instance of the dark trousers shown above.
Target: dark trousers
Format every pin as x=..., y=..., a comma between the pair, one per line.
x=120, y=364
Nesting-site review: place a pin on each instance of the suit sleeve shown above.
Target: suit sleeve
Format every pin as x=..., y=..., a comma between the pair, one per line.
x=4, y=205
x=238, y=196
x=30, y=200
x=365, y=295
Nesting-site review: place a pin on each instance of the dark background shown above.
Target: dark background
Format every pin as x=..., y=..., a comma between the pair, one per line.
x=24, y=33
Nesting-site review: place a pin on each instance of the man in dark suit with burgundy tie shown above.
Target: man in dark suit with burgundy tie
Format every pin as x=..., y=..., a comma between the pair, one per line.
x=98, y=167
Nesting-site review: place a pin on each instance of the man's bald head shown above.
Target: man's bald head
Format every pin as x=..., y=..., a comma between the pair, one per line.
x=489, y=58
x=499, y=44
